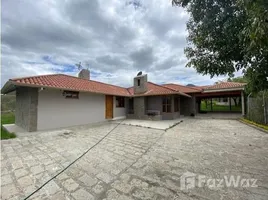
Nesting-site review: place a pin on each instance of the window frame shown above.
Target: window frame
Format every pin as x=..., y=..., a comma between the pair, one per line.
x=167, y=104
x=70, y=94
x=119, y=102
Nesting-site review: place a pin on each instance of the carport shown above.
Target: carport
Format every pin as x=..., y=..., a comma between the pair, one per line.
x=230, y=95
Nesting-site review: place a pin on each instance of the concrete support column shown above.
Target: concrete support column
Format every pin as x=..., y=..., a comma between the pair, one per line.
x=211, y=109
x=139, y=107
x=230, y=103
x=26, y=108
x=243, y=103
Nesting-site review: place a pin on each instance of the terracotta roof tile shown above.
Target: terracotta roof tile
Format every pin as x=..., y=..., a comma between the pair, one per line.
x=154, y=89
x=182, y=88
x=62, y=81
x=66, y=82
x=225, y=85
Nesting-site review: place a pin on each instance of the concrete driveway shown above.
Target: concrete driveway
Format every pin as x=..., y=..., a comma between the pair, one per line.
x=139, y=163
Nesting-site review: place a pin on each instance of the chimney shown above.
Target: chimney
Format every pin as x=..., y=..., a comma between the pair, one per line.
x=84, y=74
x=140, y=84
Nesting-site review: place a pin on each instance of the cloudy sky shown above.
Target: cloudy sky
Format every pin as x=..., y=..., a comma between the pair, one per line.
x=115, y=39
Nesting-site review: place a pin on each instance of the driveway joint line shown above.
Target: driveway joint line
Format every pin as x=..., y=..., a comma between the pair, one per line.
x=39, y=188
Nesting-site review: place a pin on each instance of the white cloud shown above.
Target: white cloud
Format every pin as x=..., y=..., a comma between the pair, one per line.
x=117, y=38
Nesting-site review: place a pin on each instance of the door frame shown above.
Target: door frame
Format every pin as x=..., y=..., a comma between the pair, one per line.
x=109, y=106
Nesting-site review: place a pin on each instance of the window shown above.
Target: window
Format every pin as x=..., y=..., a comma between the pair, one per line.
x=70, y=94
x=176, y=104
x=120, y=102
x=139, y=82
x=166, y=104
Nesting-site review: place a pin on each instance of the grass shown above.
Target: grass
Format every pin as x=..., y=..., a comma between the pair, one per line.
x=265, y=127
x=7, y=118
x=219, y=107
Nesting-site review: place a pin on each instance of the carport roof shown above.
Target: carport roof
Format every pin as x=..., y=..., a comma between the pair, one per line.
x=219, y=87
x=225, y=85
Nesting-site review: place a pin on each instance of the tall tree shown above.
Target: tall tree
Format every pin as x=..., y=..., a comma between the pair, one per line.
x=239, y=79
x=228, y=35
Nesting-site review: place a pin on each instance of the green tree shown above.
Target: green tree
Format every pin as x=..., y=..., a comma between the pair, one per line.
x=228, y=35
x=239, y=79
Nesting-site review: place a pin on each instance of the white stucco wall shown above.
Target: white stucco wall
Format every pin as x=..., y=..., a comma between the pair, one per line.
x=119, y=112
x=54, y=111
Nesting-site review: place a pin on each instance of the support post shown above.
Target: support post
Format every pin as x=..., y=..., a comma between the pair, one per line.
x=243, y=103
x=264, y=107
x=211, y=109
x=230, y=103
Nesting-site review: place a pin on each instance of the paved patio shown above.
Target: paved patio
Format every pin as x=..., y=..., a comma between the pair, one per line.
x=136, y=163
x=162, y=125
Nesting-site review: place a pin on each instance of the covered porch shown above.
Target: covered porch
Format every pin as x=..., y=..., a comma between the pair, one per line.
x=160, y=107
x=221, y=102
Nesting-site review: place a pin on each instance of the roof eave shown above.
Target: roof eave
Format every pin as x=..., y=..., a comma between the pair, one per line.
x=223, y=90
x=8, y=87
x=57, y=88
x=161, y=94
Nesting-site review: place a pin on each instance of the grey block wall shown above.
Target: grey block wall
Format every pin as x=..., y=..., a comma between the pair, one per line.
x=26, y=108
x=187, y=105
x=142, y=79
x=142, y=104
x=139, y=107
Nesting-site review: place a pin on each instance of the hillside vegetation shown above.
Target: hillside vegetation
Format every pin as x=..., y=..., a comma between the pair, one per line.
x=8, y=102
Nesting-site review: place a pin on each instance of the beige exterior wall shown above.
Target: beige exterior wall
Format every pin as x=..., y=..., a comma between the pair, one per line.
x=55, y=111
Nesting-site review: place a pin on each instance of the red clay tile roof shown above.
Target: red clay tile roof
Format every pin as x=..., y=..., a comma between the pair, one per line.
x=154, y=89
x=61, y=81
x=182, y=88
x=225, y=85
x=66, y=82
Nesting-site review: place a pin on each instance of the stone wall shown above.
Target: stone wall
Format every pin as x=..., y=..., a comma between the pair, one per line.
x=151, y=103
x=139, y=107
x=187, y=105
x=84, y=74
x=140, y=84
x=26, y=108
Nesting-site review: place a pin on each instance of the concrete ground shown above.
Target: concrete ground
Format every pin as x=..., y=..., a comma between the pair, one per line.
x=162, y=125
x=138, y=163
x=219, y=115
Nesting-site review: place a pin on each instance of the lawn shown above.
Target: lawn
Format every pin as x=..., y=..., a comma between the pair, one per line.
x=7, y=118
x=265, y=127
x=218, y=107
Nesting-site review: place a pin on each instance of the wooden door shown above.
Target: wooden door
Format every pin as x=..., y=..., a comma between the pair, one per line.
x=109, y=107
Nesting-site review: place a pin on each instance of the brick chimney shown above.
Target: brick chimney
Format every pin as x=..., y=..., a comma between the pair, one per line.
x=84, y=74
x=140, y=84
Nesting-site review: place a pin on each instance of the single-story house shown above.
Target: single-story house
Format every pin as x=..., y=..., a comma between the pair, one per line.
x=58, y=100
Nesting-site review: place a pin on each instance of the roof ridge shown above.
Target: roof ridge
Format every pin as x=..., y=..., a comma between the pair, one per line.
x=182, y=86
x=162, y=86
x=37, y=76
x=94, y=81
x=15, y=79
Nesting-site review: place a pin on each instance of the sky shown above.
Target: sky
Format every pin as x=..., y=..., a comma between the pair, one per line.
x=115, y=39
